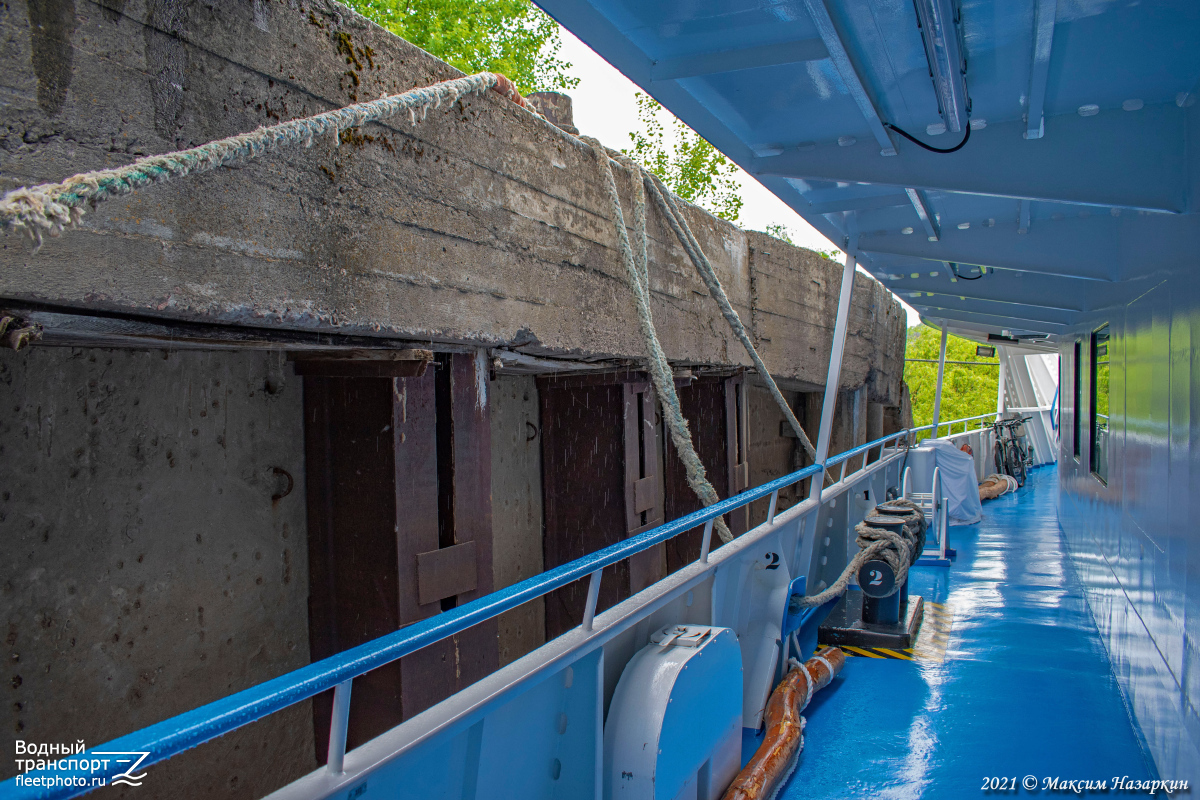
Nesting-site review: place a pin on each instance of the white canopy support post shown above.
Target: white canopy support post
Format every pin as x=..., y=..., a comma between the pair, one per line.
x=1003, y=379
x=937, y=396
x=834, y=377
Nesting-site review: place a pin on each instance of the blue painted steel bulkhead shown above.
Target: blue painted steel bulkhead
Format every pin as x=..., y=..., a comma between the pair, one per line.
x=1072, y=206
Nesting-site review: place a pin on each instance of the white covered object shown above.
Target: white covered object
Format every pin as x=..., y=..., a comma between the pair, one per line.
x=959, y=486
x=674, y=727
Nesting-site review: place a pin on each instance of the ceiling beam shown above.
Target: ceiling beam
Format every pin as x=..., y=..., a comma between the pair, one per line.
x=859, y=203
x=987, y=307
x=1000, y=246
x=973, y=330
x=928, y=221
x=1004, y=286
x=1127, y=159
x=994, y=321
x=1039, y=70
x=1098, y=248
x=845, y=68
x=771, y=55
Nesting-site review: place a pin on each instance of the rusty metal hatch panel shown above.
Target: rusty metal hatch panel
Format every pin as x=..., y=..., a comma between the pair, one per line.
x=704, y=408
x=372, y=468
x=601, y=482
x=446, y=572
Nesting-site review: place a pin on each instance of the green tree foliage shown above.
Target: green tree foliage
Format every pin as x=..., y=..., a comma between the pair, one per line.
x=966, y=392
x=781, y=231
x=513, y=37
x=689, y=166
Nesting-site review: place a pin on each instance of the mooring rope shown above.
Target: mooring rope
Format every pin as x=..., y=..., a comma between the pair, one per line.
x=675, y=218
x=660, y=369
x=896, y=549
x=49, y=208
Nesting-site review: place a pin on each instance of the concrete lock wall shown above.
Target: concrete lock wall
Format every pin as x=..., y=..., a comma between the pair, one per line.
x=480, y=224
x=154, y=554
x=154, y=557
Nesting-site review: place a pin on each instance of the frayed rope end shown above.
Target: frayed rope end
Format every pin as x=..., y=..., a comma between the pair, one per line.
x=34, y=212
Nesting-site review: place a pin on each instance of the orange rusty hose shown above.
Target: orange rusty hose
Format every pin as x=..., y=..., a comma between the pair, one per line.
x=784, y=738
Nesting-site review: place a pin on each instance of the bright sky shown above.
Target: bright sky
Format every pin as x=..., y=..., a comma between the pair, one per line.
x=604, y=107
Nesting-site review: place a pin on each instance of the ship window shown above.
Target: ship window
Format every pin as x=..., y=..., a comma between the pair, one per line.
x=1099, y=387
x=1077, y=406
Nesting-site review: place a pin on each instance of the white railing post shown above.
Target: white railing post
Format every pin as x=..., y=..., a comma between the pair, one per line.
x=1003, y=378
x=589, y=610
x=771, y=509
x=338, y=726
x=833, y=377
x=706, y=542
x=945, y=529
x=937, y=395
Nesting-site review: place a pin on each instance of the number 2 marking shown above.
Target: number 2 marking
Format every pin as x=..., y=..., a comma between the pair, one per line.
x=876, y=578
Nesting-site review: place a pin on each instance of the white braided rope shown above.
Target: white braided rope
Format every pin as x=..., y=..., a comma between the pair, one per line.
x=659, y=368
x=808, y=681
x=894, y=548
x=49, y=208
x=824, y=661
x=678, y=223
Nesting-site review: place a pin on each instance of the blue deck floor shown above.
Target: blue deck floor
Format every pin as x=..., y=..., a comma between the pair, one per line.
x=1025, y=687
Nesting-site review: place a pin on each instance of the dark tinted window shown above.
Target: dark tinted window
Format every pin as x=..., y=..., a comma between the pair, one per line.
x=1077, y=406
x=1099, y=454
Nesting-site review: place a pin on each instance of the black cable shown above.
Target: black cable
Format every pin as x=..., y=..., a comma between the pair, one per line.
x=919, y=143
x=954, y=269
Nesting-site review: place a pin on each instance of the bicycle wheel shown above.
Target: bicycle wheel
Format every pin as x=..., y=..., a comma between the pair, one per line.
x=998, y=455
x=1016, y=464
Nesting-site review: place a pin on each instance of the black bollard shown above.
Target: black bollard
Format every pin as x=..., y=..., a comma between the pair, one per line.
x=892, y=510
x=876, y=578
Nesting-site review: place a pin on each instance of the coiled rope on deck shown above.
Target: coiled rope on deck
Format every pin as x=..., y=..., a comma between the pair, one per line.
x=897, y=549
x=49, y=208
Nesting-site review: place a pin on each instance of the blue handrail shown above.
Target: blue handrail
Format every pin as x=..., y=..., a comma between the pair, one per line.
x=833, y=461
x=185, y=731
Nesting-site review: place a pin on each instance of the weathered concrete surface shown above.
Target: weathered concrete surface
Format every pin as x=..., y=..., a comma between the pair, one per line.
x=480, y=224
x=151, y=563
x=517, y=508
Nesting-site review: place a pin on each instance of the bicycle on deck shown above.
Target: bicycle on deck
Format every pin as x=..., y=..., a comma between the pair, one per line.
x=1011, y=454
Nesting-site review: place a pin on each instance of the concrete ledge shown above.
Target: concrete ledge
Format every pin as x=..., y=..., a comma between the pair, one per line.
x=480, y=225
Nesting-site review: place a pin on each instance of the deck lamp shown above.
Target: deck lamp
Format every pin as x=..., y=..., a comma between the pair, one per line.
x=940, y=25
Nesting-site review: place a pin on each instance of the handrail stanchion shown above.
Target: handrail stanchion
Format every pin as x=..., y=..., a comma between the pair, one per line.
x=589, y=610
x=338, y=726
x=945, y=528
x=843, y=475
x=771, y=509
x=706, y=541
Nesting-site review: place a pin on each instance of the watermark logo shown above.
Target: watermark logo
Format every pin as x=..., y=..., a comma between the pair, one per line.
x=76, y=767
x=127, y=777
x=1116, y=785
